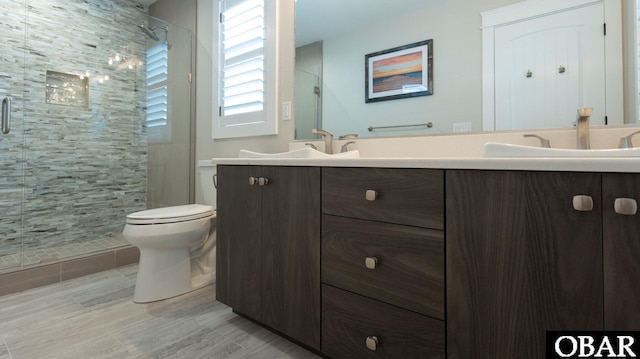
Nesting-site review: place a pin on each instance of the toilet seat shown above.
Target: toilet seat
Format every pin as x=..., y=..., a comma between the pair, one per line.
x=173, y=214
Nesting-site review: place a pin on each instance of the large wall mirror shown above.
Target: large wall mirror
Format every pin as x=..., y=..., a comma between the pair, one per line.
x=333, y=37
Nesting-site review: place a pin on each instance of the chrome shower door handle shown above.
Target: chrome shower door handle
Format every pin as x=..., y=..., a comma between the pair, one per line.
x=6, y=115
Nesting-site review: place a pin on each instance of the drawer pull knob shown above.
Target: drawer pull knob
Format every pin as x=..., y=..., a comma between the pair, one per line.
x=262, y=181
x=253, y=181
x=372, y=343
x=625, y=206
x=371, y=262
x=582, y=203
x=371, y=195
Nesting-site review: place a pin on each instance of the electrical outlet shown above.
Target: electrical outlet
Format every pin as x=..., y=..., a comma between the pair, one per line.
x=462, y=127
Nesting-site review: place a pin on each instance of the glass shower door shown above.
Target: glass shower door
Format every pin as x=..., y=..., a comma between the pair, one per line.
x=12, y=16
x=308, y=109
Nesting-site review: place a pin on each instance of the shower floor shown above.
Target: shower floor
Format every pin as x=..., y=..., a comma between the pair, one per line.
x=46, y=255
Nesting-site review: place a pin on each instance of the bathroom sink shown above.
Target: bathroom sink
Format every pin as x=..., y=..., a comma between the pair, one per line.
x=492, y=149
x=306, y=152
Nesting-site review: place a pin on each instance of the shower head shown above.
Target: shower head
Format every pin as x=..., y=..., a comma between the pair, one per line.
x=149, y=32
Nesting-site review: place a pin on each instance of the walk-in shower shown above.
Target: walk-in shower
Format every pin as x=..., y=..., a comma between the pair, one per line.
x=77, y=158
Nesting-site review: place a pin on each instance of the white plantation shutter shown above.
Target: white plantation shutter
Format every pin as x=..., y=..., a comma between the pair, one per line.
x=244, y=80
x=157, y=78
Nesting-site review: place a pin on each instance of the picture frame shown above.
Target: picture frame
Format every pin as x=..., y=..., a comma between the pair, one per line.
x=401, y=72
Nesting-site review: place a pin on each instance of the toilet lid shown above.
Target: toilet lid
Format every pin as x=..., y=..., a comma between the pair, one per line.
x=171, y=214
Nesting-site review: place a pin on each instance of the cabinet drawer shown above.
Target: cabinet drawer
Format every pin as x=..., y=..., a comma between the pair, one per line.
x=349, y=319
x=405, y=196
x=409, y=269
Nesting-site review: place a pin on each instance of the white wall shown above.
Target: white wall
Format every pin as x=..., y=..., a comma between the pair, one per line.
x=454, y=26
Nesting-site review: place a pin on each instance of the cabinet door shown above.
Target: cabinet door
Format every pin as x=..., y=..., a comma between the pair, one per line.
x=520, y=261
x=621, y=253
x=238, y=264
x=291, y=252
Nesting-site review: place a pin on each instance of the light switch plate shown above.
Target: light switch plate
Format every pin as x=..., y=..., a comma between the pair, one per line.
x=286, y=111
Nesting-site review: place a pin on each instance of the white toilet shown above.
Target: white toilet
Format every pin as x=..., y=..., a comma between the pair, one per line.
x=177, y=245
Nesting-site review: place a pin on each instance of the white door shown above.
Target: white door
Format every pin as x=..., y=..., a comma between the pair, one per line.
x=548, y=67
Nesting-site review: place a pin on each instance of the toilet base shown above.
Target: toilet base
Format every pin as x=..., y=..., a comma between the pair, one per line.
x=164, y=274
x=175, y=256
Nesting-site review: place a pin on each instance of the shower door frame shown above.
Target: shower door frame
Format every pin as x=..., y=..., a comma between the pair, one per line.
x=12, y=183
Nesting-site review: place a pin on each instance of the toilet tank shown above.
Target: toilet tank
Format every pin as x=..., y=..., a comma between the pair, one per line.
x=207, y=172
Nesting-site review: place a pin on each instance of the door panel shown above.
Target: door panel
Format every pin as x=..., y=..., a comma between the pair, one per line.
x=291, y=252
x=621, y=253
x=547, y=68
x=11, y=144
x=239, y=268
x=521, y=261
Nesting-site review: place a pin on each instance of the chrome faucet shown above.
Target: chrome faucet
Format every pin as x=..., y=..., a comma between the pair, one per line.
x=544, y=142
x=350, y=136
x=345, y=147
x=625, y=142
x=328, y=140
x=583, y=128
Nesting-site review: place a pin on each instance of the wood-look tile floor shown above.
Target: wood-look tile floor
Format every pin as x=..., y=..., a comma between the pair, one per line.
x=94, y=317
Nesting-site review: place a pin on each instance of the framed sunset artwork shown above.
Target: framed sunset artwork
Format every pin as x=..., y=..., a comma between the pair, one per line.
x=401, y=72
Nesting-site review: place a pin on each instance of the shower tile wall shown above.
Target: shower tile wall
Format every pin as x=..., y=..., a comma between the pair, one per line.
x=84, y=168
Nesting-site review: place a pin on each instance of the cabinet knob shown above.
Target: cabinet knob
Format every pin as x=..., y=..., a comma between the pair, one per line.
x=371, y=195
x=372, y=343
x=371, y=262
x=625, y=206
x=582, y=203
x=260, y=181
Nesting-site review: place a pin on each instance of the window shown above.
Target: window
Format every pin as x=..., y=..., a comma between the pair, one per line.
x=247, y=85
x=157, y=119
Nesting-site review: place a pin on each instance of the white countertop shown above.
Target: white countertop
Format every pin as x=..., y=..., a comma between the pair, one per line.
x=628, y=165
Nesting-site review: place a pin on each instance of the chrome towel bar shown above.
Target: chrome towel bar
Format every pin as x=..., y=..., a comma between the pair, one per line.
x=428, y=125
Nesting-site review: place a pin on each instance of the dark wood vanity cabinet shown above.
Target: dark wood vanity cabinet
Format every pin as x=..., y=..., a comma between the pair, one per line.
x=621, y=229
x=268, y=247
x=523, y=253
x=383, y=263
x=526, y=256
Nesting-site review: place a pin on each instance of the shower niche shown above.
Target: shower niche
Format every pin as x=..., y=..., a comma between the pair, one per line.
x=67, y=89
